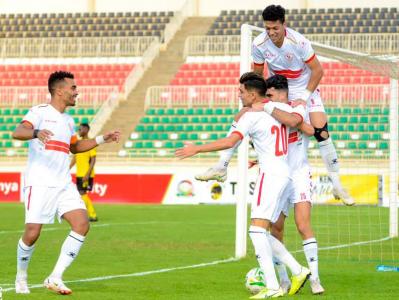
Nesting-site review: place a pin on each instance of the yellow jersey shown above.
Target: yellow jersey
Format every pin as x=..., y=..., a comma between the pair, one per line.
x=83, y=162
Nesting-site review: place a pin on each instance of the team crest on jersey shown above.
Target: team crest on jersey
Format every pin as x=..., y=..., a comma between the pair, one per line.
x=289, y=56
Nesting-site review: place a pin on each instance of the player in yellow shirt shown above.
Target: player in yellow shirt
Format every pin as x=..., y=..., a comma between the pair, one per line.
x=85, y=162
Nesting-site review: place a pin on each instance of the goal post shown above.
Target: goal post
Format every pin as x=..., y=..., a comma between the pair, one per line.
x=381, y=66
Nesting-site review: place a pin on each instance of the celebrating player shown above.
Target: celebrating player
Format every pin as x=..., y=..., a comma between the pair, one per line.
x=288, y=53
x=85, y=162
x=48, y=189
x=300, y=191
x=270, y=140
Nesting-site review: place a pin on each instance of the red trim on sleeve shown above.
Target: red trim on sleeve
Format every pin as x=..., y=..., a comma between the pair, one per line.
x=299, y=116
x=27, y=122
x=255, y=64
x=260, y=189
x=239, y=133
x=310, y=59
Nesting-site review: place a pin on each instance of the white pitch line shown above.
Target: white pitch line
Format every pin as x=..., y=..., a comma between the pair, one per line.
x=231, y=259
x=139, y=274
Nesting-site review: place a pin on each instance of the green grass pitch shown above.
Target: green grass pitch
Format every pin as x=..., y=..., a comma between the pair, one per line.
x=141, y=240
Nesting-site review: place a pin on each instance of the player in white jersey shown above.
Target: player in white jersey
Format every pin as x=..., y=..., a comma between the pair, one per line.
x=270, y=141
x=299, y=194
x=48, y=187
x=288, y=53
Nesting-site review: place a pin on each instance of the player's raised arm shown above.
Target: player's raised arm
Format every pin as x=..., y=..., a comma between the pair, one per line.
x=221, y=144
x=86, y=145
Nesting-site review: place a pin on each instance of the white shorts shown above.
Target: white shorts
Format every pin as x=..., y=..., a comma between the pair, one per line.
x=299, y=189
x=314, y=104
x=266, y=200
x=43, y=203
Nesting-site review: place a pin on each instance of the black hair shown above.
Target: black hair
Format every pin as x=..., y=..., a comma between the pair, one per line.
x=274, y=13
x=85, y=125
x=254, y=81
x=57, y=77
x=279, y=82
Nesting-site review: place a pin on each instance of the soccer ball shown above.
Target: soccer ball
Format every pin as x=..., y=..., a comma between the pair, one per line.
x=255, y=280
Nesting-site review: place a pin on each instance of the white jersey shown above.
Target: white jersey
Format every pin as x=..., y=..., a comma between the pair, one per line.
x=270, y=138
x=298, y=144
x=289, y=60
x=48, y=164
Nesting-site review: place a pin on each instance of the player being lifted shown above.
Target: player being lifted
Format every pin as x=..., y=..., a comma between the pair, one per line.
x=48, y=187
x=299, y=194
x=270, y=140
x=288, y=53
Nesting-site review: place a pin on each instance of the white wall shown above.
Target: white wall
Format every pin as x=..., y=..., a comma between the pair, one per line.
x=203, y=7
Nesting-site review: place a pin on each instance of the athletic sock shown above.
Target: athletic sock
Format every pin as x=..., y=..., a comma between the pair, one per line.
x=310, y=249
x=281, y=270
x=69, y=251
x=263, y=251
x=284, y=256
x=24, y=253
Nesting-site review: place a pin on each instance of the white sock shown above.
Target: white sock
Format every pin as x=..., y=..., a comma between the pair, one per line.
x=329, y=155
x=280, y=252
x=264, y=255
x=24, y=253
x=69, y=251
x=281, y=270
x=310, y=249
x=226, y=155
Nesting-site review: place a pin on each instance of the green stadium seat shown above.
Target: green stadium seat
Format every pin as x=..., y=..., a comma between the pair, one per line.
x=199, y=111
x=190, y=111
x=364, y=119
x=179, y=145
x=195, y=119
x=189, y=128
x=165, y=119
x=208, y=127
x=193, y=136
x=138, y=145
x=377, y=111
x=205, y=119
x=139, y=128
x=149, y=128
x=361, y=127
x=353, y=119
x=345, y=136
x=351, y=145
x=180, y=111
x=198, y=127
x=159, y=127
x=179, y=127
x=209, y=111
x=343, y=119
x=219, y=127
x=145, y=120
x=365, y=136
x=383, y=146
x=160, y=111
x=154, y=136
x=384, y=119
x=333, y=119
x=170, y=111
x=168, y=144
x=151, y=111
x=385, y=110
x=218, y=111
x=371, y=127
x=362, y=145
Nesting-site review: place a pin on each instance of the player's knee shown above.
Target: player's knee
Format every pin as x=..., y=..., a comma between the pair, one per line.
x=321, y=134
x=82, y=227
x=304, y=230
x=31, y=235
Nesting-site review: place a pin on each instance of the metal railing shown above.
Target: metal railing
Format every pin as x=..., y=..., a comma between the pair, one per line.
x=376, y=44
x=212, y=96
x=104, y=113
x=175, y=23
x=74, y=47
x=93, y=96
x=138, y=71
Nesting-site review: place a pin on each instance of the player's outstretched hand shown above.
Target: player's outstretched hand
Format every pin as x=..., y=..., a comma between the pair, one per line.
x=188, y=150
x=44, y=135
x=298, y=102
x=112, y=136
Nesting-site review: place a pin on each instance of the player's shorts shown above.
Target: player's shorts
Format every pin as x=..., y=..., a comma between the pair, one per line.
x=84, y=186
x=265, y=202
x=299, y=189
x=314, y=104
x=43, y=203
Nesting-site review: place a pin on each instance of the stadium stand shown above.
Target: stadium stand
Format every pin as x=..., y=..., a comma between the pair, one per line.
x=86, y=74
x=356, y=131
x=83, y=24
x=316, y=21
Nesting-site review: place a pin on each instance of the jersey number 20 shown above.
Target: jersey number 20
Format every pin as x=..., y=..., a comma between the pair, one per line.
x=281, y=139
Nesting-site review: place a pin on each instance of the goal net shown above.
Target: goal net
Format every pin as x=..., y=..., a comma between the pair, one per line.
x=360, y=94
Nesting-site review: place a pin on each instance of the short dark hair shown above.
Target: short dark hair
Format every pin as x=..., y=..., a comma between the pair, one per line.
x=254, y=81
x=57, y=77
x=274, y=13
x=279, y=82
x=85, y=125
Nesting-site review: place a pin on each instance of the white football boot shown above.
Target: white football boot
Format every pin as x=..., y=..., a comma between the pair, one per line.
x=316, y=287
x=213, y=174
x=57, y=285
x=21, y=286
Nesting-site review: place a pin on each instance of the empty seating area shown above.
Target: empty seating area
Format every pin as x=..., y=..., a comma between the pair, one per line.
x=11, y=117
x=228, y=73
x=83, y=24
x=85, y=74
x=316, y=21
x=355, y=131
